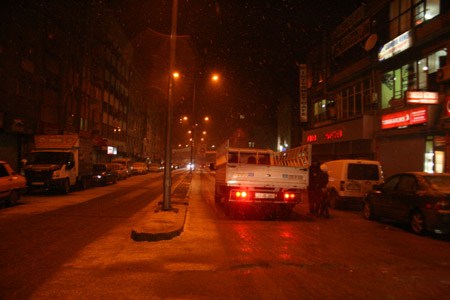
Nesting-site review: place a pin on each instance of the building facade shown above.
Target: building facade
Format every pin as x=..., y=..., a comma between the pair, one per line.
x=377, y=87
x=68, y=69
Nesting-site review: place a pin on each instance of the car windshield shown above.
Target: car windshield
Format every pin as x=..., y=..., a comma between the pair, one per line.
x=99, y=168
x=363, y=172
x=53, y=158
x=439, y=182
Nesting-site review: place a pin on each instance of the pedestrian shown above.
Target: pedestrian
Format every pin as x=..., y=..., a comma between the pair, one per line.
x=322, y=197
x=313, y=187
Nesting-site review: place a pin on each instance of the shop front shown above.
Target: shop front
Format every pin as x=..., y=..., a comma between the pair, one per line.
x=350, y=139
x=407, y=141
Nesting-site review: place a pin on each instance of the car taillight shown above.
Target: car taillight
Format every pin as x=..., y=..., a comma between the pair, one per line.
x=288, y=196
x=441, y=204
x=342, y=186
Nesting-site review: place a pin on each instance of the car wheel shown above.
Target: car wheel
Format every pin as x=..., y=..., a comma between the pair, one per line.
x=66, y=186
x=368, y=211
x=417, y=222
x=13, y=198
x=334, y=200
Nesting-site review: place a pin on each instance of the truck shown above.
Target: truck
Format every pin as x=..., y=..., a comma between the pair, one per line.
x=261, y=178
x=59, y=162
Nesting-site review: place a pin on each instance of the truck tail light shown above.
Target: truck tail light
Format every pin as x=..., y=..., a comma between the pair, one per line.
x=288, y=196
x=342, y=186
x=241, y=194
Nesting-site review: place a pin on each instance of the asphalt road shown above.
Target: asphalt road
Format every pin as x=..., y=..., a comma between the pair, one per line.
x=45, y=231
x=85, y=252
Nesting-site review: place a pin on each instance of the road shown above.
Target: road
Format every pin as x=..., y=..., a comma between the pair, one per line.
x=83, y=250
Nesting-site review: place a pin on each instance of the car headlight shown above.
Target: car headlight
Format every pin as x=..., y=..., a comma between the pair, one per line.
x=99, y=176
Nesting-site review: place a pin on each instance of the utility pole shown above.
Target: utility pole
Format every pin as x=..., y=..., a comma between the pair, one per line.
x=193, y=128
x=168, y=155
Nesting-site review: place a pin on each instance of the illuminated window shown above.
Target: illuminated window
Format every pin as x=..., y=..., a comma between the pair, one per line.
x=410, y=77
x=405, y=14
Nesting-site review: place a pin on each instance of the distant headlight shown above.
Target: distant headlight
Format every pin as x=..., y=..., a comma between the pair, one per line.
x=99, y=176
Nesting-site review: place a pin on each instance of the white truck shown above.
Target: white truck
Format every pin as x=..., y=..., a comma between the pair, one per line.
x=59, y=162
x=263, y=179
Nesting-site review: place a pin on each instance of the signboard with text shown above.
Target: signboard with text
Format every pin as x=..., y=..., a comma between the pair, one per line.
x=397, y=45
x=404, y=118
x=421, y=97
x=303, y=89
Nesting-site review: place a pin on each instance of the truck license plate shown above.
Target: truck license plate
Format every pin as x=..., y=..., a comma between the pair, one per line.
x=264, y=195
x=37, y=183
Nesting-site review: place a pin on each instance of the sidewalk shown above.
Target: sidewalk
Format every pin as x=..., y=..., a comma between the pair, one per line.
x=161, y=224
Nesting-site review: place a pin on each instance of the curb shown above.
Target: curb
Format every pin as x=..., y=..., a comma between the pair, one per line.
x=183, y=189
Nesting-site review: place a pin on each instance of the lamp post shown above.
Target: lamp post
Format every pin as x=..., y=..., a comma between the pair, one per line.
x=168, y=147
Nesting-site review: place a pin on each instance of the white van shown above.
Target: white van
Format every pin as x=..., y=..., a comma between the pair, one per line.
x=349, y=180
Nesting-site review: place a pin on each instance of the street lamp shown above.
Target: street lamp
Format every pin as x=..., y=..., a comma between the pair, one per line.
x=193, y=124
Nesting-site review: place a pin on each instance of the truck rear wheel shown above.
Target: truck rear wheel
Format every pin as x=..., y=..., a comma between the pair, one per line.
x=66, y=186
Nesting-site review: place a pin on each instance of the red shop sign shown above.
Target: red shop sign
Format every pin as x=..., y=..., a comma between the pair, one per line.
x=404, y=118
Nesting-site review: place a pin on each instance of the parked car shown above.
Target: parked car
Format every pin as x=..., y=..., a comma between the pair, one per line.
x=349, y=180
x=139, y=168
x=126, y=162
x=418, y=198
x=12, y=185
x=104, y=173
x=155, y=167
x=121, y=170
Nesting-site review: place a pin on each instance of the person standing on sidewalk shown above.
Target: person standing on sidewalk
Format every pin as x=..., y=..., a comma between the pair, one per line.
x=313, y=187
x=322, y=199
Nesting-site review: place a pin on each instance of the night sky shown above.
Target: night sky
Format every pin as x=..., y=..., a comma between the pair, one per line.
x=254, y=45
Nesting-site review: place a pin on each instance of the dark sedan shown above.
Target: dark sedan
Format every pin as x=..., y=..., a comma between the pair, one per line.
x=420, y=199
x=104, y=173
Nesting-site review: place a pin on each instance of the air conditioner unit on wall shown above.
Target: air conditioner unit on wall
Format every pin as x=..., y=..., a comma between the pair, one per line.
x=443, y=74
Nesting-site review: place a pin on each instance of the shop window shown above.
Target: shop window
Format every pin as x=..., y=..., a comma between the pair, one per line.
x=387, y=89
x=429, y=155
x=398, y=84
x=439, y=161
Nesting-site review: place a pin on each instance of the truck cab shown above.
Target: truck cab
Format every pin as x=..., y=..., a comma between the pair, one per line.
x=59, y=162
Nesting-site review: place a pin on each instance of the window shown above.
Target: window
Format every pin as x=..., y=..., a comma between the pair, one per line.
x=353, y=100
x=407, y=184
x=3, y=172
x=405, y=14
x=247, y=158
x=263, y=159
x=232, y=157
x=410, y=77
x=391, y=184
x=363, y=172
